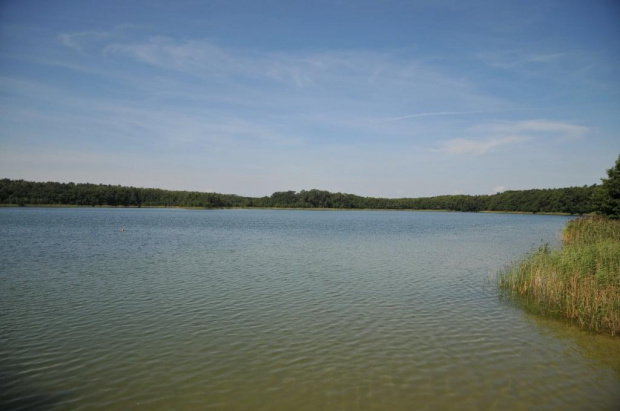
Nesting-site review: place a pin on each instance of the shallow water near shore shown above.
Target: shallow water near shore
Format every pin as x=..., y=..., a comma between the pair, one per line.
x=282, y=309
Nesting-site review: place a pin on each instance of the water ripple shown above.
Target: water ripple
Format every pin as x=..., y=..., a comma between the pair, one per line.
x=278, y=310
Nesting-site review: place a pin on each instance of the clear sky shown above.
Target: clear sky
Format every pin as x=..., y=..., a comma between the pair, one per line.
x=378, y=98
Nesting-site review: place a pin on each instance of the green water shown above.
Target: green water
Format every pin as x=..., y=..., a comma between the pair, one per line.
x=269, y=310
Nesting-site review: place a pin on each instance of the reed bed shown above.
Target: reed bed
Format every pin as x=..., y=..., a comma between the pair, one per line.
x=581, y=281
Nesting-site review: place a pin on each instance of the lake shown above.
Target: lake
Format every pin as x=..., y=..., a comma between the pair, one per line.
x=282, y=309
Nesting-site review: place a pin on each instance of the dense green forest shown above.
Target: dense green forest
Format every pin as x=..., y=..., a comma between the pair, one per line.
x=573, y=200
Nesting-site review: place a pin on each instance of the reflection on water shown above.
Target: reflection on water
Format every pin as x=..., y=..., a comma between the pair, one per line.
x=257, y=309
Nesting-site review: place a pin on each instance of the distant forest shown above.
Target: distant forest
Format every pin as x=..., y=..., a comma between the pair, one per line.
x=572, y=200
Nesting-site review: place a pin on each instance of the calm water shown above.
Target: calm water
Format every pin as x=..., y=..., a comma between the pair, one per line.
x=266, y=310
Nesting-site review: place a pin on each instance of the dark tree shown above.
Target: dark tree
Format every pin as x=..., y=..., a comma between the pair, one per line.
x=607, y=197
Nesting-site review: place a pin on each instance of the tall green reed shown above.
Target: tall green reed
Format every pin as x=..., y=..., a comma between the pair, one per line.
x=581, y=281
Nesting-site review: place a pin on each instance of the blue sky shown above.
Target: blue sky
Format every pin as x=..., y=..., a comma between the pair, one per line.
x=382, y=98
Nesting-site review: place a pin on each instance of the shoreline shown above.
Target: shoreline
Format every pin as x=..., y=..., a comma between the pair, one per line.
x=284, y=208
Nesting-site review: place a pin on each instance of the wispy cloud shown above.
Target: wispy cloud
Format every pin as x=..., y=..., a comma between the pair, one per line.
x=536, y=127
x=77, y=41
x=565, y=129
x=297, y=91
x=82, y=40
x=509, y=59
x=468, y=112
x=476, y=146
x=205, y=59
x=111, y=119
x=432, y=114
x=505, y=133
x=369, y=70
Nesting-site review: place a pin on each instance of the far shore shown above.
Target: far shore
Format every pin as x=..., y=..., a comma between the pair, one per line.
x=278, y=208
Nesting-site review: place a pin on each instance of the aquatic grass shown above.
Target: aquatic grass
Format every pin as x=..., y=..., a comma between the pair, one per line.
x=589, y=230
x=581, y=281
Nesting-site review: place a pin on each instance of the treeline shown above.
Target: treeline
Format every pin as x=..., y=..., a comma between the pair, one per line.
x=573, y=200
x=22, y=192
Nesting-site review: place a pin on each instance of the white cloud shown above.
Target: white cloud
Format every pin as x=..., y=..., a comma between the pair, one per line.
x=499, y=189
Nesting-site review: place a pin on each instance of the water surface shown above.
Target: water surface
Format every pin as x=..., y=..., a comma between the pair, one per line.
x=267, y=310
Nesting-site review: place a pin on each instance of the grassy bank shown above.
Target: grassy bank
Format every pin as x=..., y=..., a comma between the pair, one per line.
x=581, y=281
